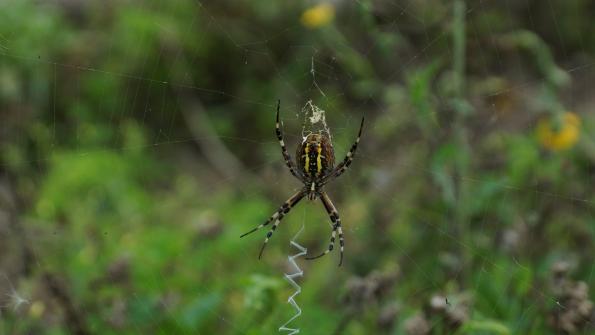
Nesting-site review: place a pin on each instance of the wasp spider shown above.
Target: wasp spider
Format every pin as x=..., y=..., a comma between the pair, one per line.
x=314, y=167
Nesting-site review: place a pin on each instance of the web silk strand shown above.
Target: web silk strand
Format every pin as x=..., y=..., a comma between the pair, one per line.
x=298, y=272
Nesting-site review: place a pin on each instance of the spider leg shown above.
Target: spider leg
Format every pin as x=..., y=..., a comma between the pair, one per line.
x=292, y=168
x=342, y=167
x=277, y=217
x=334, y=215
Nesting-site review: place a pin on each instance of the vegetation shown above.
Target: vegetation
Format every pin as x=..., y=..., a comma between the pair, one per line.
x=137, y=144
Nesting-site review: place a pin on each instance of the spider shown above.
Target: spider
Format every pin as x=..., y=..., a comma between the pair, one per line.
x=314, y=167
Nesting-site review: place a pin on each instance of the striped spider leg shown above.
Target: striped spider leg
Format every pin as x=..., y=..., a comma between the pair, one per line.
x=279, y=132
x=342, y=167
x=277, y=217
x=334, y=215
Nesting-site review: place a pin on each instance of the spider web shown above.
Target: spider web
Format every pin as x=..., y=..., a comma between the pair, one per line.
x=314, y=121
x=165, y=99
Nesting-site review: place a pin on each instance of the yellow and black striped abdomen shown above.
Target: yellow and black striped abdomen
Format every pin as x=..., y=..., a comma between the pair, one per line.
x=315, y=156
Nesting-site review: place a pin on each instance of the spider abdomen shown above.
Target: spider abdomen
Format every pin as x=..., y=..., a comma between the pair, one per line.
x=315, y=156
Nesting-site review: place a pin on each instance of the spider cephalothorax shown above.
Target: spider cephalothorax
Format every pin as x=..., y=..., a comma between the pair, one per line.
x=315, y=167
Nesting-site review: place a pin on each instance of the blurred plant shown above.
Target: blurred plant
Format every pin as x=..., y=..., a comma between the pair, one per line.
x=367, y=292
x=454, y=312
x=74, y=316
x=144, y=234
x=451, y=315
x=419, y=88
x=540, y=52
x=440, y=313
x=261, y=292
x=558, y=130
x=573, y=311
x=388, y=316
x=463, y=110
x=417, y=325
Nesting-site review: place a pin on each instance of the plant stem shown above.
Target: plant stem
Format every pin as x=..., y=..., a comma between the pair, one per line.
x=458, y=35
x=462, y=110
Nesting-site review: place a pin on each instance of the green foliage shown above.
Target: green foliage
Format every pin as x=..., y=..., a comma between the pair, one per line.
x=111, y=185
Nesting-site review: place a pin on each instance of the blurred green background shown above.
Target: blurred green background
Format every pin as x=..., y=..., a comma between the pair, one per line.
x=137, y=144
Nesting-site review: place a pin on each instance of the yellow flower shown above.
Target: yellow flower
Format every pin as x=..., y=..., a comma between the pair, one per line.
x=37, y=308
x=318, y=15
x=560, y=136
